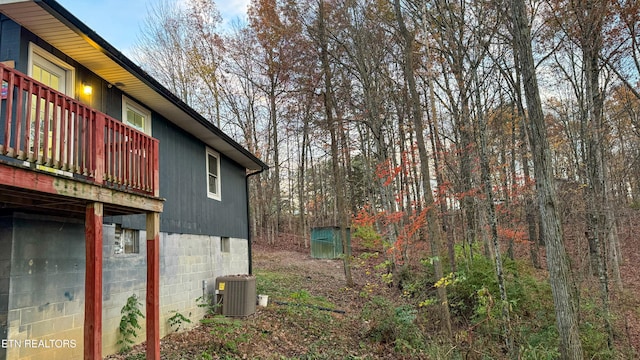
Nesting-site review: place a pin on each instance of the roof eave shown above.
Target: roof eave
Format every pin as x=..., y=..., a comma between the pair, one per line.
x=172, y=108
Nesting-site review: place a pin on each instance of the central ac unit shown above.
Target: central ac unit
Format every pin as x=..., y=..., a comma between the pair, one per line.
x=237, y=293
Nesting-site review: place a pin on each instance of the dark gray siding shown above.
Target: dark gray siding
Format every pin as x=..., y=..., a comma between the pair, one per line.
x=9, y=39
x=182, y=157
x=183, y=184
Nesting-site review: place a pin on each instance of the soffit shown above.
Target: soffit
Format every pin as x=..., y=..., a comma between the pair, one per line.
x=88, y=49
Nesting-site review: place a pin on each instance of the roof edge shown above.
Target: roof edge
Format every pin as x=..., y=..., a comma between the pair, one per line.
x=63, y=15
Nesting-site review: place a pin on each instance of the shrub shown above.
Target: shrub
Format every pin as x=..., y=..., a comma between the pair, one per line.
x=177, y=320
x=130, y=322
x=390, y=324
x=475, y=304
x=208, y=303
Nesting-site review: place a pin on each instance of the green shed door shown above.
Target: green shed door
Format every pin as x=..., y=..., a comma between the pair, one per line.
x=326, y=243
x=322, y=248
x=321, y=243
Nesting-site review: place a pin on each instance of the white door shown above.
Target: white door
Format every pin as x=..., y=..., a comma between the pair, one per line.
x=54, y=76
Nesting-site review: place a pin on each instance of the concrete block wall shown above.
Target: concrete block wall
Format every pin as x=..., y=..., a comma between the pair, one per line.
x=122, y=276
x=186, y=261
x=44, y=283
x=46, y=289
x=6, y=235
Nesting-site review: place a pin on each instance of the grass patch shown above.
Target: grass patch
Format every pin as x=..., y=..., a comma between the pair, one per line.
x=280, y=287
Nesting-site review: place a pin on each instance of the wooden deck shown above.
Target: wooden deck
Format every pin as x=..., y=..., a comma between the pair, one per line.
x=48, y=131
x=60, y=156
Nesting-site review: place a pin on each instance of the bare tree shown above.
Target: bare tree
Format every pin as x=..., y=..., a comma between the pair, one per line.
x=162, y=49
x=334, y=124
x=433, y=227
x=557, y=262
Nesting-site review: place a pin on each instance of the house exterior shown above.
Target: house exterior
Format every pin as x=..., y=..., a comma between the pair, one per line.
x=109, y=186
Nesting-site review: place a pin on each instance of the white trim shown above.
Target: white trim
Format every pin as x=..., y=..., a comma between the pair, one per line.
x=128, y=103
x=70, y=71
x=211, y=195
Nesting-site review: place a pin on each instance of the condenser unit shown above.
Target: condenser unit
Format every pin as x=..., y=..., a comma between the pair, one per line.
x=237, y=293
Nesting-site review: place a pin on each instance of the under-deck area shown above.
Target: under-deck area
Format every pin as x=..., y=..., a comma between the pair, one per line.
x=61, y=158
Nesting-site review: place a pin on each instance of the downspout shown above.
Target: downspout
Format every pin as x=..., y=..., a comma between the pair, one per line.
x=246, y=183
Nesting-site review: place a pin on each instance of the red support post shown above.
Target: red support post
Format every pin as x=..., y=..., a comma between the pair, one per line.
x=93, y=283
x=153, y=286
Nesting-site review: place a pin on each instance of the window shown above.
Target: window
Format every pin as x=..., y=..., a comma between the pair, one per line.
x=225, y=244
x=127, y=241
x=213, y=174
x=49, y=70
x=136, y=116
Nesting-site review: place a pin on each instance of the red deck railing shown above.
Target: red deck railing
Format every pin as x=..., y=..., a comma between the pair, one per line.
x=57, y=133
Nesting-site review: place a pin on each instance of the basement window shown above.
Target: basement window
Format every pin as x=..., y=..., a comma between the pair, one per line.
x=127, y=241
x=225, y=244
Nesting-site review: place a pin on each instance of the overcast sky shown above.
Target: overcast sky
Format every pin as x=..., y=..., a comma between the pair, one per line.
x=119, y=21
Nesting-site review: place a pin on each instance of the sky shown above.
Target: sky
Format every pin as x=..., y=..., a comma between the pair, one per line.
x=119, y=21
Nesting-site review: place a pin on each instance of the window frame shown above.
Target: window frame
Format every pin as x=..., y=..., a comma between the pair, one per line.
x=217, y=195
x=120, y=247
x=128, y=103
x=70, y=71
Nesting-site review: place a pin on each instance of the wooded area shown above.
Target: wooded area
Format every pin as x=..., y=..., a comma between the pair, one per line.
x=445, y=134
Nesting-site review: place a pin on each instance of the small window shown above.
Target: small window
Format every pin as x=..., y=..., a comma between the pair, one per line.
x=225, y=244
x=127, y=241
x=136, y=116
x=213, y=174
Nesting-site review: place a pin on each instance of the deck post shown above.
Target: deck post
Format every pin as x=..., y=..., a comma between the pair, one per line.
x=153, y=286
x=93, y=282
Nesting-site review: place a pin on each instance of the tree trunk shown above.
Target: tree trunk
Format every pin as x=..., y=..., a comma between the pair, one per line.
x=436, y=147
x=302, y=178
x=493, y=225
x=334, y=126
x=560, y=277
x=529, y=203
x=535, y=240
x=598, y=217
x=432, y=225
x=276, y=156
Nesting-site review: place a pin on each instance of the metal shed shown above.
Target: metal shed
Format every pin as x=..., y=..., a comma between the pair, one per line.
x=326, y=242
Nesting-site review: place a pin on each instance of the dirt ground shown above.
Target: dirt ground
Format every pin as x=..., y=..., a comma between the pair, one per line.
x=271, y=334
x=628, y=304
